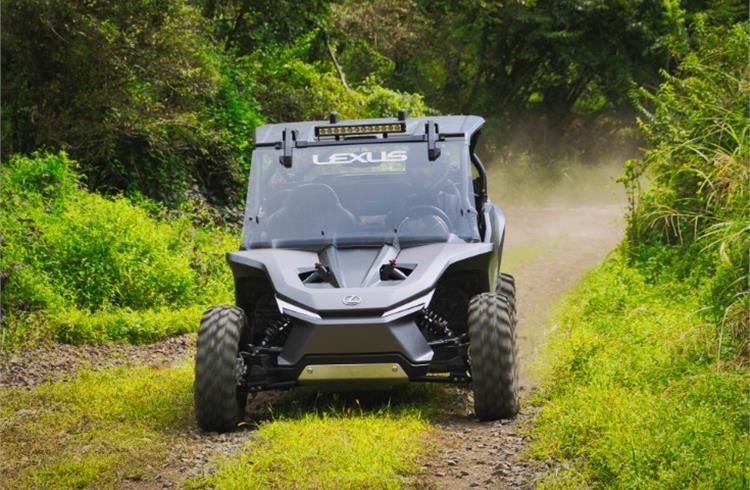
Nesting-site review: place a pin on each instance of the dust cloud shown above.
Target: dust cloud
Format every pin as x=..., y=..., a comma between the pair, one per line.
x=562, y=218
x=521, y=181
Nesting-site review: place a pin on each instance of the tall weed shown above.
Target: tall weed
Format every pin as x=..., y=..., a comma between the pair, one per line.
x=698, y=201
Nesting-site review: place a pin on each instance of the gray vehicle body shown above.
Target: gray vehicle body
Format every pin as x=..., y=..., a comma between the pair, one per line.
x=363, y=326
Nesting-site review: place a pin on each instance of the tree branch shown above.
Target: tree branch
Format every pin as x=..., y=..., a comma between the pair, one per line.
x=335, y=62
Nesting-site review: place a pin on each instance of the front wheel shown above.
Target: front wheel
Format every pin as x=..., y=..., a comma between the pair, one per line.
x=506, y=285
x=219, y=402
x=493, y=356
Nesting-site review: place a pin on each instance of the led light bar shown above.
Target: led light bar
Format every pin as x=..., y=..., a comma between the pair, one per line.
x=360, y=129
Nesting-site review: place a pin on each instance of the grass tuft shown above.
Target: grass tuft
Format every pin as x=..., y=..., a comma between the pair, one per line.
x=345, y=440
x=327, y=451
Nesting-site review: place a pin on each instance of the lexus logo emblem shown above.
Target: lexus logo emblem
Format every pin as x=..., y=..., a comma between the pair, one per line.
x=352, y=300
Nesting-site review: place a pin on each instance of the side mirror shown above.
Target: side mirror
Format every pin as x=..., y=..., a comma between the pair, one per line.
x=287, y=143
x=433, y=152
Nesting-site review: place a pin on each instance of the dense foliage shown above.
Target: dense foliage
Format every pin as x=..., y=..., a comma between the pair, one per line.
x=81, y=267
x=133, y=90
x=692, y=219
x=152, y=96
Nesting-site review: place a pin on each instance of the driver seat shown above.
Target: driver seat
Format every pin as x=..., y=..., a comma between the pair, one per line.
x=308, y=210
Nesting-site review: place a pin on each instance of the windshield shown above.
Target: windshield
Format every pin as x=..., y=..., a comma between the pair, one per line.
x=360, y=194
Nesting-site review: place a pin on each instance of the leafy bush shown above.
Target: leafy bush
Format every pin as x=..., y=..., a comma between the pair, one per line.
x=697, y=203
x=91, y=268
x=636, y=397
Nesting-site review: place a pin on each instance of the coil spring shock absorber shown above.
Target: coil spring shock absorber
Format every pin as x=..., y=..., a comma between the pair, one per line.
x=434, y=325
x=277, y=332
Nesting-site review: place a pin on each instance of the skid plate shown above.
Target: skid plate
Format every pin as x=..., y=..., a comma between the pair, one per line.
x=316, y=373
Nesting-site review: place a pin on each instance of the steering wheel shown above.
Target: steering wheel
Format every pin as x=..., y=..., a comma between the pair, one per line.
x=425, y=210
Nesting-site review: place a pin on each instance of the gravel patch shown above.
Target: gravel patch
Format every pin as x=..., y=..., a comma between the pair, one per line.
x=474, y=454
x=28, y=368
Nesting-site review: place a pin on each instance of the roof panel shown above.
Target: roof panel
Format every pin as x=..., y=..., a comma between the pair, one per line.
x=467, y=125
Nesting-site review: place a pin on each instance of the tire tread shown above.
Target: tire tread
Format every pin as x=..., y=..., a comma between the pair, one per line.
x=493, y=354
x=217, y=404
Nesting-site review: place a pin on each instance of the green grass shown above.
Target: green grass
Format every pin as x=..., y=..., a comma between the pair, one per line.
x=104, y=427
x=327, y=451
x=635, y=397
x=349, y=440
x=93, y=431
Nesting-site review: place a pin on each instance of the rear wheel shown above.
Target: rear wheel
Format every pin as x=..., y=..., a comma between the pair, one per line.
x=219, y=403
x=493, y=356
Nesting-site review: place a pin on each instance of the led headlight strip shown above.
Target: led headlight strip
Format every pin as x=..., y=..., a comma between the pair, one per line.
x=360, y=129
x=410, y=307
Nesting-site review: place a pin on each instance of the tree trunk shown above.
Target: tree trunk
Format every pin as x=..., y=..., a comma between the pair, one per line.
x=236, y=26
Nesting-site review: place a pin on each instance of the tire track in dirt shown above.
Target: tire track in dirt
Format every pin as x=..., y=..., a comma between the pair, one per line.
x=565, y=241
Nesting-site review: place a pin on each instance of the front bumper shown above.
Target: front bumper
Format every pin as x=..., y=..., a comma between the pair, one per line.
x=353, y=336
x=354, y=371
x=357, y=352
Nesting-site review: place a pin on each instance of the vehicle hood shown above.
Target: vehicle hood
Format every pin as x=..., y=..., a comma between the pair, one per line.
x=357, y=285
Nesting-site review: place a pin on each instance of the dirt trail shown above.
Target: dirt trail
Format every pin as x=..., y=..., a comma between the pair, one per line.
x=568, y=241
x=548, y=249
x=31, y=367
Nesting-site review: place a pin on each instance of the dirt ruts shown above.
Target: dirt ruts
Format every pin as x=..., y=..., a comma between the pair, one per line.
x=562, y=243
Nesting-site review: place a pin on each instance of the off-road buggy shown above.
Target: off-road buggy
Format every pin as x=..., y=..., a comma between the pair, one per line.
x=370, y=257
